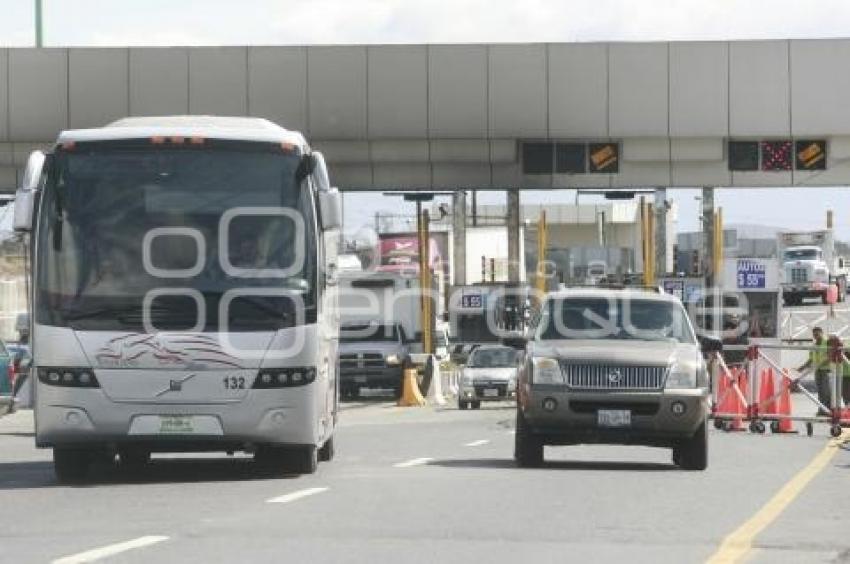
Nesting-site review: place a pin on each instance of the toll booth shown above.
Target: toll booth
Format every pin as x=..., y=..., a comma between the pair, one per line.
x=757, y=280
x=484, y=313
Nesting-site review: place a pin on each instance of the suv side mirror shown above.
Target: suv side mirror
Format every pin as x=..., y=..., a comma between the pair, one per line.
x=710, y=344
x=25, y=196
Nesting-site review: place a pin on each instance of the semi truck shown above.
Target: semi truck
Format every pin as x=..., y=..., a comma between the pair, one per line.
x=810, y=266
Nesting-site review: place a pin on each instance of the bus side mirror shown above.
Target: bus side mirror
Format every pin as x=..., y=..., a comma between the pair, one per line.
x=330, y=204
x=25, y=196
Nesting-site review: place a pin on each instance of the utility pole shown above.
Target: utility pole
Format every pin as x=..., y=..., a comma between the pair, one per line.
x=39, y=35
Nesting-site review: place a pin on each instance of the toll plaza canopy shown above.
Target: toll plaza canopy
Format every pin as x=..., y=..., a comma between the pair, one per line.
x=739, y=113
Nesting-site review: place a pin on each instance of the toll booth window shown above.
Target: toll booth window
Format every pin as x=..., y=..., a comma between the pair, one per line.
x=776, y=155
x=570, y=158
x=538, y=158
x=604, y=158
x=810, y=154
x=743, y=155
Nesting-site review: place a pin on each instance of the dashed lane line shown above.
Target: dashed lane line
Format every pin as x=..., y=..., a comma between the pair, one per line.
x=413, y=462
x=478, y=443
x=110, y=550
x=294, y=496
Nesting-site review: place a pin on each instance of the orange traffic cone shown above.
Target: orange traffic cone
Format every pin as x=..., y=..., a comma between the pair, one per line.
x=784, y=408
x=739, y=406
x=766, y=401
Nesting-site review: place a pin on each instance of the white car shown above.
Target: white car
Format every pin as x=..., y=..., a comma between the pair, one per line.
x=490, y=375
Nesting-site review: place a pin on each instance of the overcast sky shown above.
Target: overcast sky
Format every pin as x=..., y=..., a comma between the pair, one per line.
x=287, y=22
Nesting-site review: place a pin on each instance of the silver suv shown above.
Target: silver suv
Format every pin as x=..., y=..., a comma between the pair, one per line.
x=613, y=366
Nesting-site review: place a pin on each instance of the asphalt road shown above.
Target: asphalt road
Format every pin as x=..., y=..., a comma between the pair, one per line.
x=430, y=485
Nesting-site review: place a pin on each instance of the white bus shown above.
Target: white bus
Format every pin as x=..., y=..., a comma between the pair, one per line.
x=184, y=293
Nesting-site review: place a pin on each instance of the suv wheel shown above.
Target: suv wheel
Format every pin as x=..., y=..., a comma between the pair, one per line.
x=72, y=464
x=693, y=453
x=462, y=404
x=302, y=460
x=528, y=449
x=476, y=404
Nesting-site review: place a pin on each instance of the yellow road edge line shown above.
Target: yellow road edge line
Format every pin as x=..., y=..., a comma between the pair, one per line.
x=738, y=544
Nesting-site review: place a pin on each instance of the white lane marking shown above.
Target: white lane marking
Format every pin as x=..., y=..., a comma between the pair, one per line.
x=414, y=462
x=111, y=550
x=297, y=495
x=481, y=442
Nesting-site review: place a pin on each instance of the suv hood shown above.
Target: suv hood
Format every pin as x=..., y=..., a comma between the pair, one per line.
x=616, y=351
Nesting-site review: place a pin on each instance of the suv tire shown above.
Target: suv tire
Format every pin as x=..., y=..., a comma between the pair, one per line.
x=302, y=460
x=528, y=449
x=692, y=454
x=462, y=404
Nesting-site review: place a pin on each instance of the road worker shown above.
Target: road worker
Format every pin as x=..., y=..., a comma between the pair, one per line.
x=819, y=362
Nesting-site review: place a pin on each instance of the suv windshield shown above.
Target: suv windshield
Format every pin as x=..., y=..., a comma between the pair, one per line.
x=492, y=358
x=802, y=254
x=196, y=230
x=614, y=318
x=368, y=332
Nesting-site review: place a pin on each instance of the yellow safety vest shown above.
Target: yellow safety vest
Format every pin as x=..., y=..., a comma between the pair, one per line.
x=819, y=357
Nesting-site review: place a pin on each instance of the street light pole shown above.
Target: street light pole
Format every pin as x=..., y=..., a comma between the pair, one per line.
x=39, y=37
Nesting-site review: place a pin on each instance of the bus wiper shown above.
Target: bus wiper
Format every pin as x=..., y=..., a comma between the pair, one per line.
x=95, y=312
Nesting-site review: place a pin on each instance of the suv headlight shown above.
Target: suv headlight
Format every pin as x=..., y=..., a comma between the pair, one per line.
x=393, y=360
x=547, y=371
x=466, y=378
x=681, y=376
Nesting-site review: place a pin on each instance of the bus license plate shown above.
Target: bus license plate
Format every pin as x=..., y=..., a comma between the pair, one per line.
x=614, y=418
x=176, y=425
x=491, y=392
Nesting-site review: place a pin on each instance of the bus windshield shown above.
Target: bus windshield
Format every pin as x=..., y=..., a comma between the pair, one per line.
x=802, y=254
x=221, y=234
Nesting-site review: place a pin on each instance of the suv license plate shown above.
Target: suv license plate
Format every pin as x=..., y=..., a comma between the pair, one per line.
x=491, y=392
x=614, y=418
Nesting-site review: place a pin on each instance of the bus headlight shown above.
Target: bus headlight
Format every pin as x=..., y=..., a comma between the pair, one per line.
x=68, y=377
x=393, y=360
x=289, y=377
x=547, y=371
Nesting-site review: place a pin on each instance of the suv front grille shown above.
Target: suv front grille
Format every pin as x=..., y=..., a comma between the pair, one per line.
x=361, y=360
x=612, y=377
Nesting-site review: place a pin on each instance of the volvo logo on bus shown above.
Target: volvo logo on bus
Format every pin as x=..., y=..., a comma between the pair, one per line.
x=614, y=377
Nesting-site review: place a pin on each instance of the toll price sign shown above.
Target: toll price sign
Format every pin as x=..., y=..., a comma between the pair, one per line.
x=751, y=274
x=675, y=288
x=472, y=301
